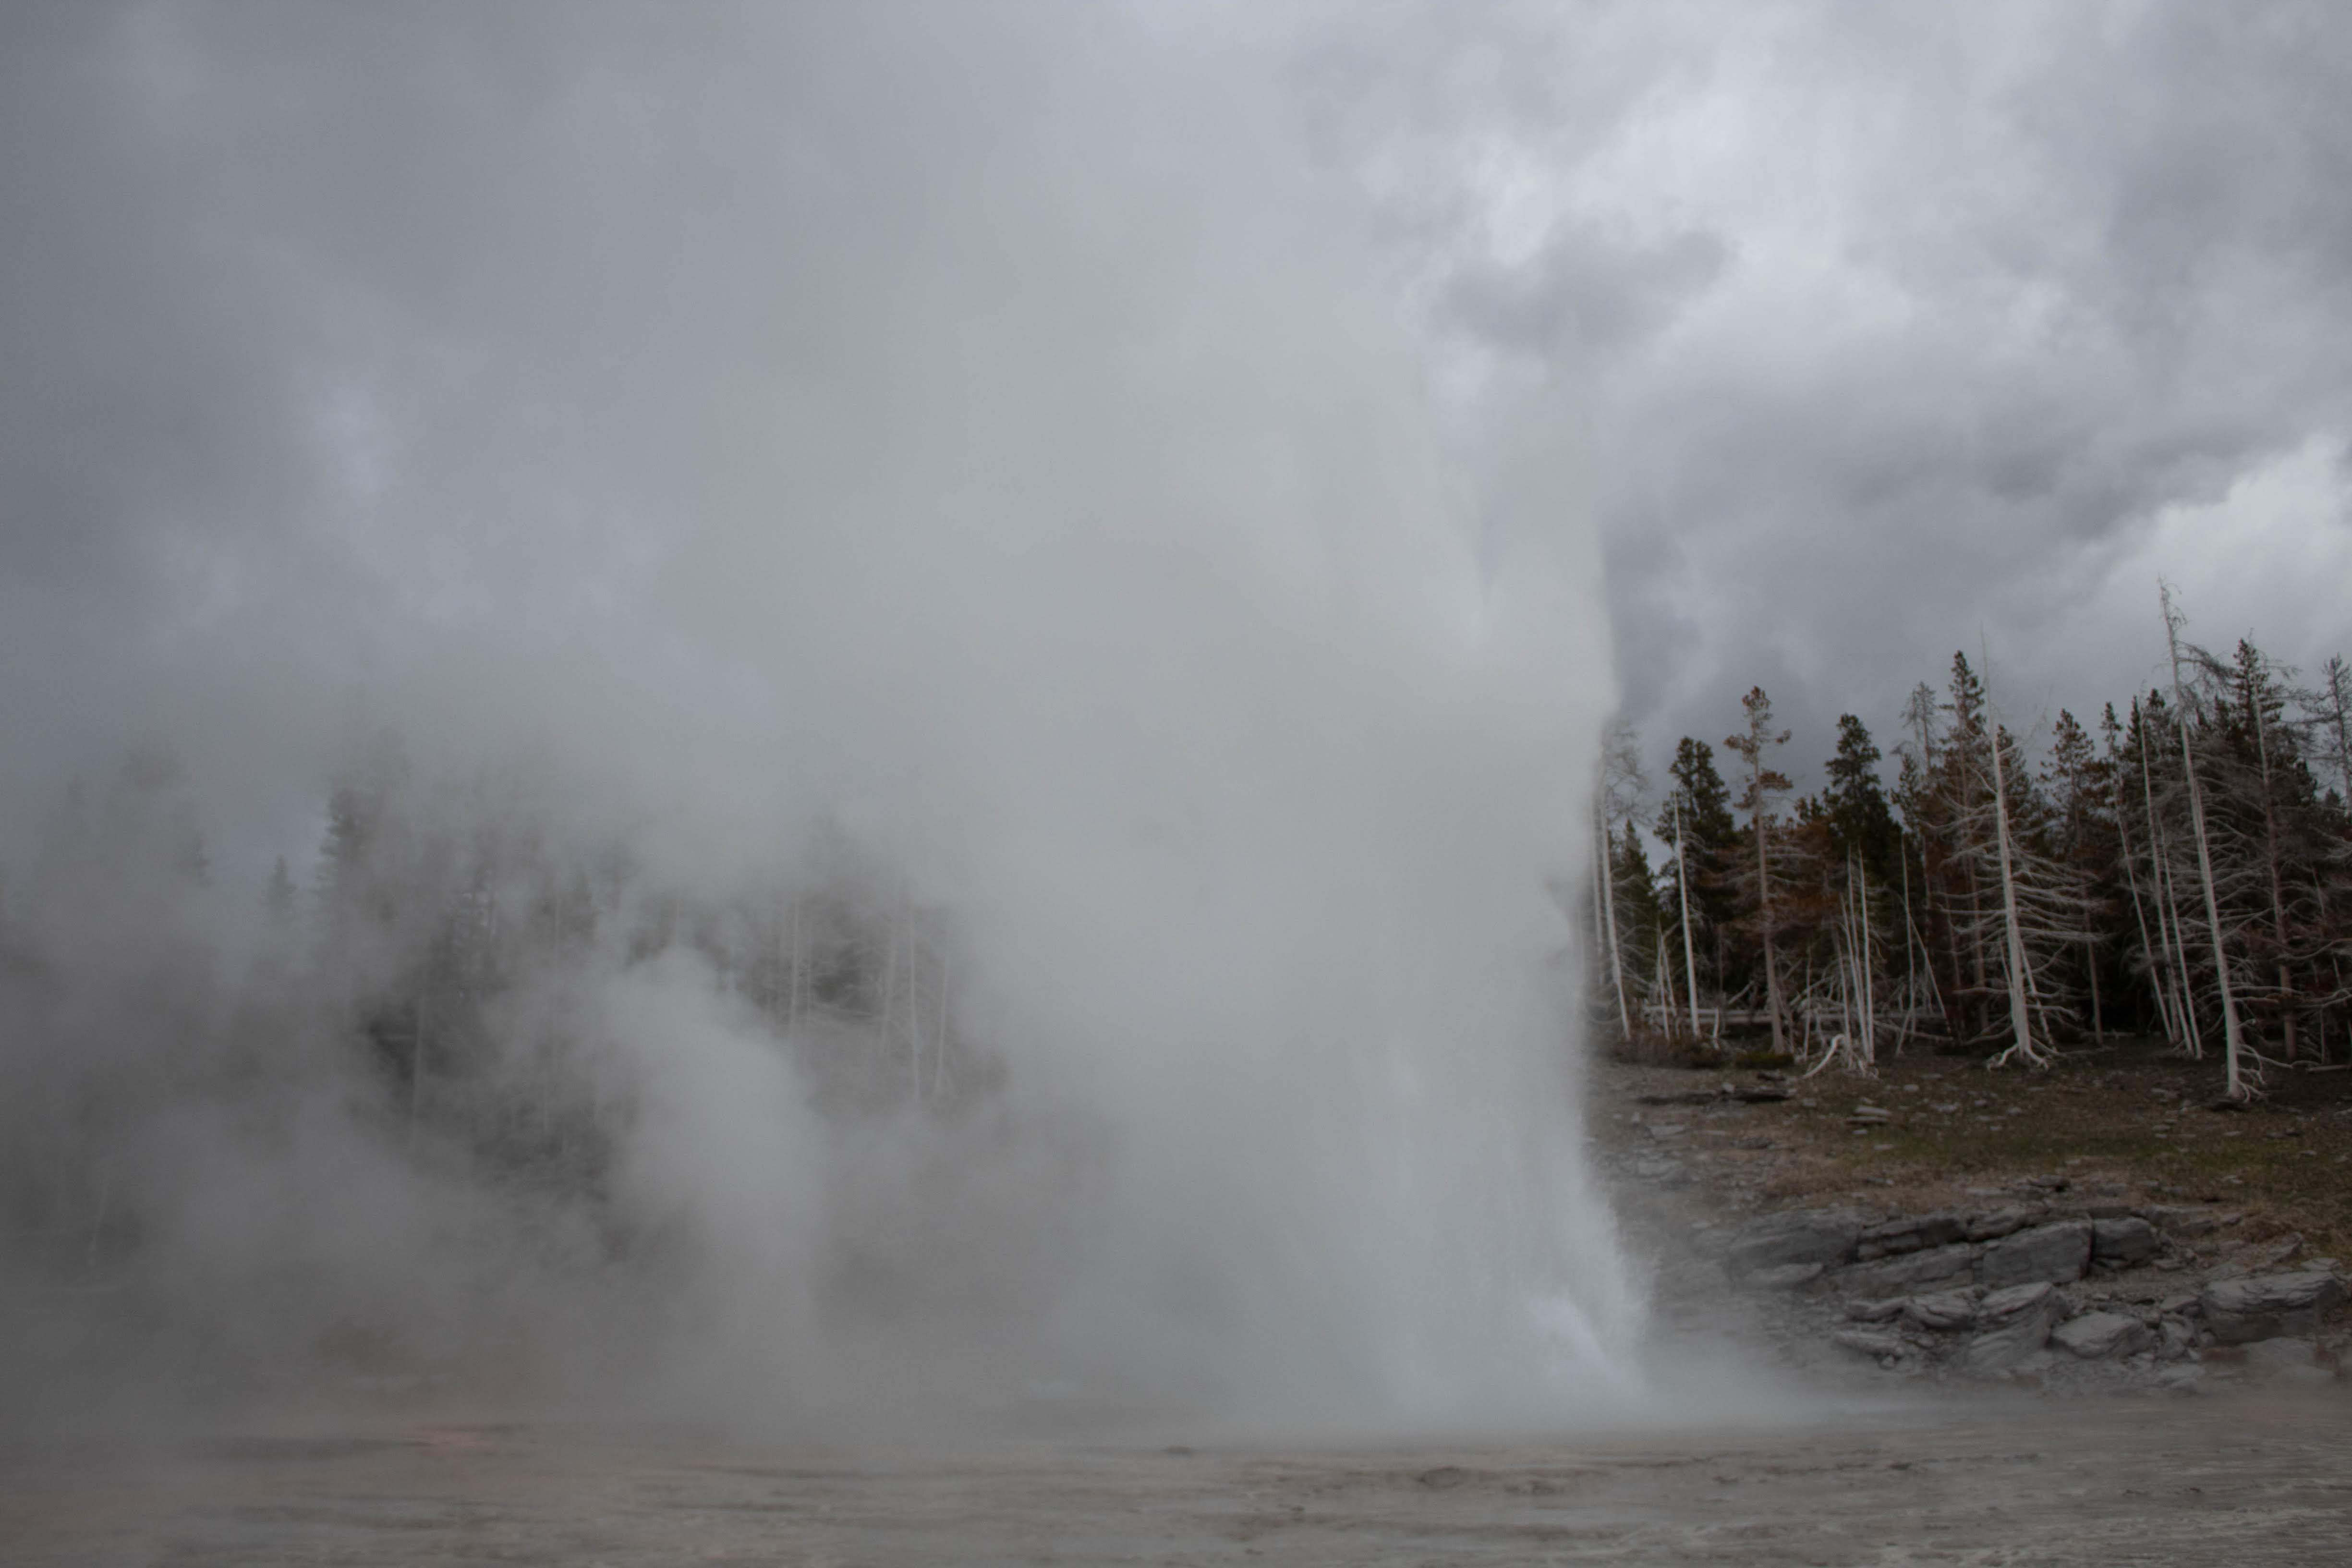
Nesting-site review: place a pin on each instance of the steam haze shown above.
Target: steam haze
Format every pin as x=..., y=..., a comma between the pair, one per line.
x=962, y=469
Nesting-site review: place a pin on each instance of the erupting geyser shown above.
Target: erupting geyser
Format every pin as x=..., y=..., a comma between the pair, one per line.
x=988, y=452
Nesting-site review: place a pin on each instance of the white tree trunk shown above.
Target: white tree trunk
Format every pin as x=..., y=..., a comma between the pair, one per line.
x=2020, y=1025
x=1606, y=873
x=2232, y=1044
x=1682, y=891
x=2232, y=1050
x=2176, y=958
x=1869, y=1042
x=1764, y=918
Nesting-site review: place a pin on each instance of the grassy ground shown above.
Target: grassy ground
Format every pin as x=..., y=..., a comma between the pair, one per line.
x=2131, y=1122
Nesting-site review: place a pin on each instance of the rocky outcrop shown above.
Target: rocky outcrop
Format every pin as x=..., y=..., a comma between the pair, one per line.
x=2012, y=1324
x=1909, y=1233
x=1823, y=1236
x=1784, y=1275
x=2047, y=1254
x=1977, y=1291
x=1991, y=1225
x=2123, y=1242
x=1946, y=1312
x=2102, y=1336
x=1875, y=1312
x=1938, y=1268
x=2267, y=1306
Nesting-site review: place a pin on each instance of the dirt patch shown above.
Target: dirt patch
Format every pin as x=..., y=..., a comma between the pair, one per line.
x=2131, y=1122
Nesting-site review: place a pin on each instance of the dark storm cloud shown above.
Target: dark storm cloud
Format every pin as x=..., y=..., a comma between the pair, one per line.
x=1893, y=329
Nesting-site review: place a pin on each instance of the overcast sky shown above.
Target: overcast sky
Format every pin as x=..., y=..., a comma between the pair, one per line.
x=1868, y=332
x=1901, y=329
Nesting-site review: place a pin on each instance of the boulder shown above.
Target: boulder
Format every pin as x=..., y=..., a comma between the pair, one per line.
x=2174, y=1338
x=1997, y=1307
x=2055, y=1254
x=2123, y=1242
x=1946, y=1312
x=2100, y=1336
x=1938, y=1267
x=1992, y=1223
x=1826, y=1237
x=1875, y=1312
x=2266, y=1306
x=1910, y=1233
x=2012, y=1324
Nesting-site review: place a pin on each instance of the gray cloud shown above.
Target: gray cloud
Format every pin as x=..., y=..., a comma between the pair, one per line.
x=1887, y=330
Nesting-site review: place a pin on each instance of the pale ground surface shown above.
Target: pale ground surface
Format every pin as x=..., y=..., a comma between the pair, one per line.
x=2031, y=1482
x=2248, y=1474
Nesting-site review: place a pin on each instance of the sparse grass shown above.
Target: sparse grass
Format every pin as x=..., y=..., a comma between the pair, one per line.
x=2127, y=1123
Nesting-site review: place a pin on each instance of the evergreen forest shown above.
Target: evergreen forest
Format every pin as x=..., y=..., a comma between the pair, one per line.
x=2177, y=866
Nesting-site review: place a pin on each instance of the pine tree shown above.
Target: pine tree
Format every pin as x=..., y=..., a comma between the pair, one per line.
x=1855, y=803
x=2081, y=786
x=1696, y=824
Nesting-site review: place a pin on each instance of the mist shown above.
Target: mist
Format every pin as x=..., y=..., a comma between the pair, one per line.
x=918, y=769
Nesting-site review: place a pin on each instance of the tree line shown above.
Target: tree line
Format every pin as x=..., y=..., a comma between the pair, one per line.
x=441, y=972
x=2181, y=867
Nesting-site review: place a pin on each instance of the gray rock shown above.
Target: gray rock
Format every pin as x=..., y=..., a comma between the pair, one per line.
x=2099, y=1336
x=2055, y=1253
x=1876, y=1345
x=2184, y=1222
x=2123, y=1241
x=1875, y=1312
x=1992, y=1223
x=2014, y=1323
x=2182, y=1379
x=1945, y=1312
x=1826, y=1237
x=1910, y=1233
x=2274, y=1354
x=1997, y=1307
x=2174, y=1338
x=2267, y=1306
x=1938, y=1267
x=2288, y=1361
x=1786, y=1277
